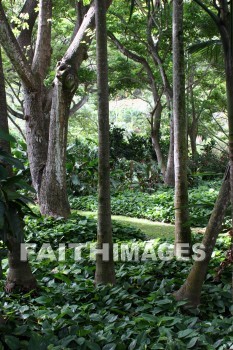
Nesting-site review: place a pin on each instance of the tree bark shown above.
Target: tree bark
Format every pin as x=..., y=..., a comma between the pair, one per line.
x=20, y=274
x=182, y=226
x=53, y=191
x=105, y=272
x=155, y=136
x=191, y=289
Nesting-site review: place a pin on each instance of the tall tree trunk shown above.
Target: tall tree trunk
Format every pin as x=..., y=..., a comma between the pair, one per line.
x=19, y=274
x=182, y=227
x=191, y=289
x=105, y=272
x=5, y=145
x=229, y=88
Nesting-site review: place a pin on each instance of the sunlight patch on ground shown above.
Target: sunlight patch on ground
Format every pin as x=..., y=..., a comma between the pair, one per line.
x=150, y=228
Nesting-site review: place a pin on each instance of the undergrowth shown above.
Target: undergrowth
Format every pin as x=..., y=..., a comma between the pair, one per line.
x=69, y=312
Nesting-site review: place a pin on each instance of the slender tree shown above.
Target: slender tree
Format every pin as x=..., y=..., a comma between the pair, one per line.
x=191, y=289
x=182, y=227
x=105, y=272
x=223, y=19
x=19, y=274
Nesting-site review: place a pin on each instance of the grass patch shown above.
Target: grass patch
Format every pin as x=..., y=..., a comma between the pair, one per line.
x=150, y=228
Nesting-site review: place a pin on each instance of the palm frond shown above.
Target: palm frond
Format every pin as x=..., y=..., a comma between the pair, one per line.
x=200, y=47
x=210, y=49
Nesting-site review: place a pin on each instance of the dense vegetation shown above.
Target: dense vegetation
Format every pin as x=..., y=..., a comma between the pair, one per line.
x=158, y=206
x=69, y=312
x=124, y=108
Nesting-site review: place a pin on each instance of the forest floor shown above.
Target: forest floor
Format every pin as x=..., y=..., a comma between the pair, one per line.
x=152, y=229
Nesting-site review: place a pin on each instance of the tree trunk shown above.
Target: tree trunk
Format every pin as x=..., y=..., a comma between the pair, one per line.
x=5, y=145
x=169, y=178
x=53, y=192
x=182, y=227
x=191, y=289
x=193, y=129
x=193, y=138
x=105, y=272
x=36, y=135
x=229, y=88
x=155, y=135
x=20, y=274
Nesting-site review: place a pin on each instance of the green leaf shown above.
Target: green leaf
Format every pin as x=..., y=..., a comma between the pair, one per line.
x=43, y=300
x=6, y=158
x=38, y=342
x=20, y=329
x=92, y=346
x=192, y=343
x=63, y=278
x=12, y=342
x=185, y=333
x=147, y=317
x=6, y=136
x=133, y=344
x=110, y=346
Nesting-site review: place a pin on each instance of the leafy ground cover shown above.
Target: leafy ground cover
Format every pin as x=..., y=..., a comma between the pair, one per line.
x=157, y=206
x=68, y=312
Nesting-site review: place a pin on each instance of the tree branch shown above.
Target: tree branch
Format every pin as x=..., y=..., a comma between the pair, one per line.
x=78, y=47
x=14, y=52
x=72, y=51
x=138, y=59
x=17, y=126
x=15, y=113
x=42, y=56
x=153, y=50
x=24, y=38
x=78, y=105
x=207, y=10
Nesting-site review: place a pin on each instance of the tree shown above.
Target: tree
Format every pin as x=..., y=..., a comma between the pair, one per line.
x=19, y=274
x=191, y=289
x=182, y=227
x=140, y=47
x=224, y=22
x=104, y=269
x=46, y=109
